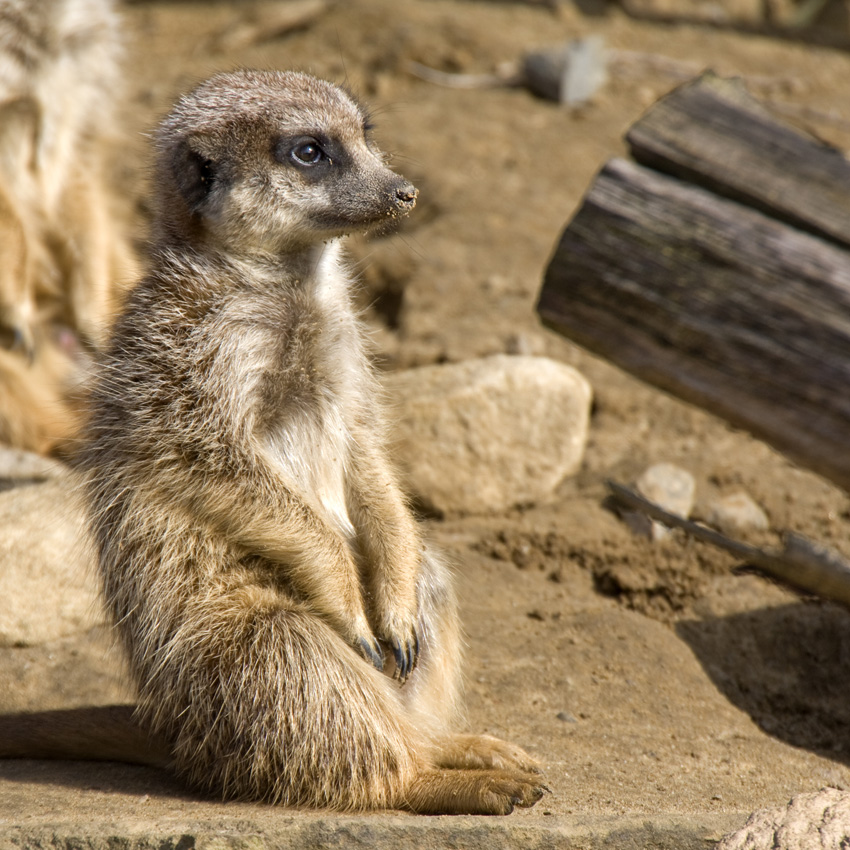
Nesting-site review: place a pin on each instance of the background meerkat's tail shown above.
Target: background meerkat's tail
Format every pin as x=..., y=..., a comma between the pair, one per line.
x=91, y=733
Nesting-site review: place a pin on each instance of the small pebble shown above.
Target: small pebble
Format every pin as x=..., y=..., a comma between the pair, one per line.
x=566, y=717
x=668, y=486
x=736, y=513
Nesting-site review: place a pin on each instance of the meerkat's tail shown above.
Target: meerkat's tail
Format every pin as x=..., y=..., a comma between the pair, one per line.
x=91, y=733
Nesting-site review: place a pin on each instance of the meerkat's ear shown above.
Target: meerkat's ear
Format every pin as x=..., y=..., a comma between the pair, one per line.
x=194, y=174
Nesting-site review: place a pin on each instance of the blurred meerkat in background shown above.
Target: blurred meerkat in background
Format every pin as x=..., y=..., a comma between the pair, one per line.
x=61, y=251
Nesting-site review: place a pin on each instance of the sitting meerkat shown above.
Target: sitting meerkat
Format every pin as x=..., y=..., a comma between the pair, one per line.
x=290, y=635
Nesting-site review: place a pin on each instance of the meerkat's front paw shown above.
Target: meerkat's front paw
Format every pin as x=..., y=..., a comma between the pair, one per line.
x=403, y=640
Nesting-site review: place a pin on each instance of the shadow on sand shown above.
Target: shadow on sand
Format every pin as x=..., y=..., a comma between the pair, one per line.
x=787, y=667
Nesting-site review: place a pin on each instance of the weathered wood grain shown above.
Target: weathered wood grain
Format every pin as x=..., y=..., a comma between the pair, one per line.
x=711, y=132
x=714, y=302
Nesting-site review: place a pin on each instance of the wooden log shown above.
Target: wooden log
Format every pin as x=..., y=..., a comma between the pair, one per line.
x=712, y=133
x=714, y=302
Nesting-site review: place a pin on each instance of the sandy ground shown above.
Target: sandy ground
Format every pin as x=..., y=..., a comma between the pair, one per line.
x=646, y=676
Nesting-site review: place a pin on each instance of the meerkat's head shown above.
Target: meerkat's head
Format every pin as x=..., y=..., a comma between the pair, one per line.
x=272, y=161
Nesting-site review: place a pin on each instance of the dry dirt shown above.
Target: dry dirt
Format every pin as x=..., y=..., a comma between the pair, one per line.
x=648, y=677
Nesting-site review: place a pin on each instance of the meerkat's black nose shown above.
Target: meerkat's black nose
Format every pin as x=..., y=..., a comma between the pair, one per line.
x=405, y=195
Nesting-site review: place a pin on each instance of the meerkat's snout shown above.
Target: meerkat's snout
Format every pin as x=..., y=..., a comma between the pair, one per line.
x=362, y=196
x=405, y=196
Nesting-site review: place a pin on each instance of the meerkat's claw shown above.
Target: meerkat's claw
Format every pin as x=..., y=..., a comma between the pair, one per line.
x=371, y=651
x=400, y=662
x=529, y=795
x=406, y=655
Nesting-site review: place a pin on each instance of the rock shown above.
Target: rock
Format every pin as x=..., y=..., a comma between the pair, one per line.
x=736, y=513
x=46, y=589
x=566, y=717
x=19, y=466
x=571, y=73
x=670, y=487
x=84, y=668
x=105, y=805
x=485, y=434
x=816, y=821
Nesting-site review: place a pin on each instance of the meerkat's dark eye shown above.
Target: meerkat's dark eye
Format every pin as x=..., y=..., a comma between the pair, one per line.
x=308, y=153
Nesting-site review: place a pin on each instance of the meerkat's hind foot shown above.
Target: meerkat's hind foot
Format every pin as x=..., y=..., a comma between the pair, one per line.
x=482, y=752
x=472, y=792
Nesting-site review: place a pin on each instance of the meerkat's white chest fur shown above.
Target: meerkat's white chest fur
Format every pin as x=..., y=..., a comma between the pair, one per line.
x=312, y=448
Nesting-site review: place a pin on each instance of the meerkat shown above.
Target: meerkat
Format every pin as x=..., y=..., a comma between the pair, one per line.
x=290, y=635
x=62, y=255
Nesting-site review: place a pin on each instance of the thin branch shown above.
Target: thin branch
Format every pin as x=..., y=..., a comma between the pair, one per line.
x=510, y=76
x=802, y=564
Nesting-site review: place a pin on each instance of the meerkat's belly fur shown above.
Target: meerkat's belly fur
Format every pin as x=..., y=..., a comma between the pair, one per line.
x=290, y=636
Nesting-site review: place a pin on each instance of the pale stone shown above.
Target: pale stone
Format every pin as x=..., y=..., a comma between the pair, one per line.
x=736, y=513
x=572, y=73
x=814, y=821
x=17, y=465
x=485, y=434
x=668, y=486
x=46, y=588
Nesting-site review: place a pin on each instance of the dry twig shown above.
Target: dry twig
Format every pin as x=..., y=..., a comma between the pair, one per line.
x=802, y=563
